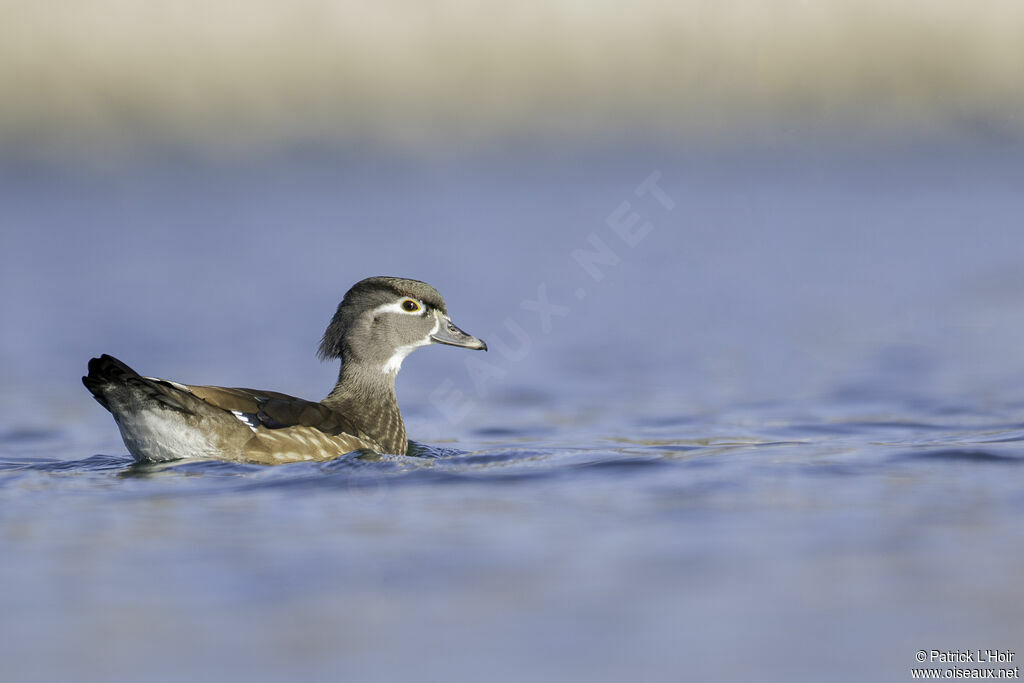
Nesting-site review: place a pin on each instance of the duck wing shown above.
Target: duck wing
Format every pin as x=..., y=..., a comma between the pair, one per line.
x=274, y=410
x=287, y=428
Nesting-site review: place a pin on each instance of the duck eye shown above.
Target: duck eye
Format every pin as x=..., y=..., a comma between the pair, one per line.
x=410, y=305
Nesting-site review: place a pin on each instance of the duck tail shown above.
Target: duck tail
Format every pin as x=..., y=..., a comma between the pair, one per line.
x=110, y=382
x=106, y=373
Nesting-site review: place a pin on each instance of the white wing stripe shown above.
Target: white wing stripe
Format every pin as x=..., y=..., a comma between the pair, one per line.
x=250, y=419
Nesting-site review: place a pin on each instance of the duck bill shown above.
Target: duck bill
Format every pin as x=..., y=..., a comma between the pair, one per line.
x=448, y=333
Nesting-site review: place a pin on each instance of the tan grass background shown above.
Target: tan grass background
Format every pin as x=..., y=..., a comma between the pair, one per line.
x=403, y=72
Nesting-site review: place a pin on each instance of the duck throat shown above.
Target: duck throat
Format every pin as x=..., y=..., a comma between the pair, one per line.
x=366, y=397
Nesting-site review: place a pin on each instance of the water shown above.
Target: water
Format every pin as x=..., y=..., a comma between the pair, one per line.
x=780, y=438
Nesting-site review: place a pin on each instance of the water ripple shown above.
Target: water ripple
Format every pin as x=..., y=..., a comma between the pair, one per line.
x=966, y=456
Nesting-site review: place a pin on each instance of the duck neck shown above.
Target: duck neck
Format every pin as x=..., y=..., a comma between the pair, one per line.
x=366, y=396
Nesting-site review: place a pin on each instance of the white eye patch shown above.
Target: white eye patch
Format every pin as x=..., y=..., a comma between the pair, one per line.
x=396, y=307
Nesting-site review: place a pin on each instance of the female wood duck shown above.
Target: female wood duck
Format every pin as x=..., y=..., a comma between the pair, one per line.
x=380, y=321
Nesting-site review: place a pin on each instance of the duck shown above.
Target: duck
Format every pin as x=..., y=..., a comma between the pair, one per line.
x=379, y=322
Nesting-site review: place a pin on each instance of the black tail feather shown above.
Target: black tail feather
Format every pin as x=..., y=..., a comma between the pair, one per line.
x=107, y=375
x=104, y=372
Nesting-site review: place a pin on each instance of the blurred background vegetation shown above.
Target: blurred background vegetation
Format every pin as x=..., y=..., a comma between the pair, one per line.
x=260, y=75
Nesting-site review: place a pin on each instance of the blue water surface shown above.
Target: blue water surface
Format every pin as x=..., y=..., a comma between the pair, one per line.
x=768, y=428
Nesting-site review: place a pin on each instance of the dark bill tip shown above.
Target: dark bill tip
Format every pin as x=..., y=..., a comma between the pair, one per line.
x=453, y=336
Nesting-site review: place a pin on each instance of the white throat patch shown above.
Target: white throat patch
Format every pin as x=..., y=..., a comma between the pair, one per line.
x=394, y=363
